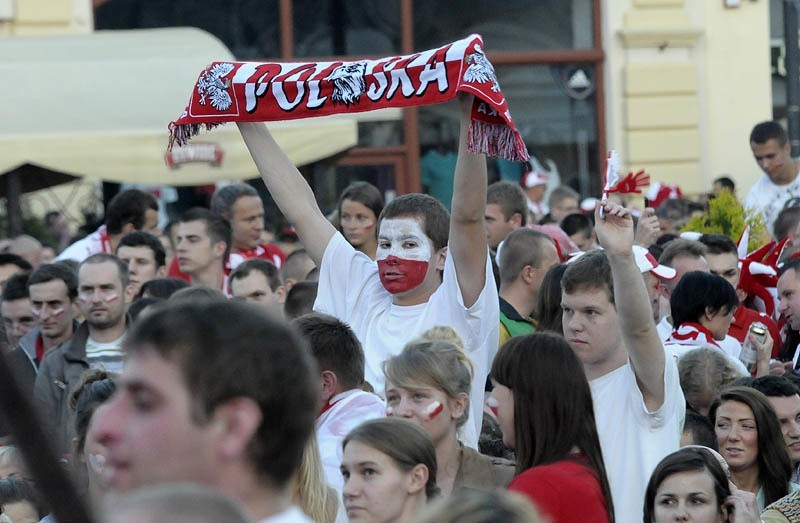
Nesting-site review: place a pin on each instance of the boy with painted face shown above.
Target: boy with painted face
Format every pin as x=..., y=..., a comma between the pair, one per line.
x=432, y=269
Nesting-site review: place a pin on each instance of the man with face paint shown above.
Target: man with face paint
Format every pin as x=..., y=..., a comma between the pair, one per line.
x=52, y=289
x=431, y=269
x=103, y=296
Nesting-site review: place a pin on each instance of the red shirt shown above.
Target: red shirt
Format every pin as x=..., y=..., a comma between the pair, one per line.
x=565, y=492
x=742, y=319
x=269, y=252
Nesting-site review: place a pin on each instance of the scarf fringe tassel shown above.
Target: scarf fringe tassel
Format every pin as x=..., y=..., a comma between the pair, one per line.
x=180, y=134
x=496, y=140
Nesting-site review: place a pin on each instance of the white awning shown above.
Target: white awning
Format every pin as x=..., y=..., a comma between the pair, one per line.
x=98, y=106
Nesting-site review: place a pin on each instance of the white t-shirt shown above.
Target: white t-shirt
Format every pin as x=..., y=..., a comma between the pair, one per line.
x=351, y=290
x=348, y=410
x=768, y=199
x=290, y=515
x=634, y=440
x=92, y=244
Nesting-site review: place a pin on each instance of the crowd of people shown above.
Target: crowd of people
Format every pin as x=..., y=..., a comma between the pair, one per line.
x=513, y=359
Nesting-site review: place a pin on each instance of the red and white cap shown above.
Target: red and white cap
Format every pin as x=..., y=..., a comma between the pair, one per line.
x=533, y=177
x=647, y=263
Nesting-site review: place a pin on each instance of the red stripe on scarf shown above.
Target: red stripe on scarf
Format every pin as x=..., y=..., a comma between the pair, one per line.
x=261, y=92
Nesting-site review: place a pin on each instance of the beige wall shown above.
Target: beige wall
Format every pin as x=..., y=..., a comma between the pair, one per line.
x=686, y=80
x=39, y=17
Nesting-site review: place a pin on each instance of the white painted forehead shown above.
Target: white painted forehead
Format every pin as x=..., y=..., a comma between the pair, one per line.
x=405, y=226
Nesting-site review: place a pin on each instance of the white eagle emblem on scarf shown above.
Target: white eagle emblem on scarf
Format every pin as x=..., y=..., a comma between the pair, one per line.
x=348, y=83
x=480, y=70
x=214, y=85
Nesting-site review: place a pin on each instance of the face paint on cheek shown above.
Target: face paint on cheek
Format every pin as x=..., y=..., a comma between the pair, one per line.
x=433, y=410
x=111, y=298
x=389, y=412
x=399, y=275
x=97, y=462
x=36, y=313
x=57, y=313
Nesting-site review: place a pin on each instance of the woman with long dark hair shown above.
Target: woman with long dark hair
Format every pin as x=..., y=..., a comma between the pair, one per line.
x=691, y=485
x=751, y=441
x=545, y=412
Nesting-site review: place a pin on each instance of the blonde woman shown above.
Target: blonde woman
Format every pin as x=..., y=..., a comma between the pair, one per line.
x=309, y=490
x=429, y=384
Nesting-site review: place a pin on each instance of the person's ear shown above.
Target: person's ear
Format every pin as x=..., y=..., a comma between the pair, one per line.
x=527, y=274
x=458, y=405
x=516, y=220
x=219, y=249
x=441, y=256
x=234, y=424
x=128, y=227
x=329, y=383
x=418, y=478
x=280, y=292
x=129, y=294
x=161, y=271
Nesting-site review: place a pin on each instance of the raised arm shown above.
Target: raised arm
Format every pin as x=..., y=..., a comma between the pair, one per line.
x=467, y=243
x=615, y=233
x=289, y=189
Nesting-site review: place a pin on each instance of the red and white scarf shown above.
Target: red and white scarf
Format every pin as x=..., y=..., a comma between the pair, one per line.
x=272, y=91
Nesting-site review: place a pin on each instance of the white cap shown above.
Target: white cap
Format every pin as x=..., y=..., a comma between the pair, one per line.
x=533, y=178
x=647, y=263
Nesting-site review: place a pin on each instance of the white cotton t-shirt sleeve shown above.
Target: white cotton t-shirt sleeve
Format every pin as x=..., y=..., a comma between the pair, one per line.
x=347, y=279
x=632, y=438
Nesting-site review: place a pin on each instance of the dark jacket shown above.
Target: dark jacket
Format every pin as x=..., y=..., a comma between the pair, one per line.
x=59, y=372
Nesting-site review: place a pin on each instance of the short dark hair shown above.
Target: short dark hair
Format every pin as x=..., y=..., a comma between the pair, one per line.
x=162, y=287
x=218, y=228
x=433, y=216
x=104, y=257
x=16, y=287
x=227, y=350
x=6, y=258
x=765, y=131
x=522, y=247
x=300, y=299
x=589, y=272
x=267, y=268
x=718, y=244
x=15, y=490
x=335, y=347
x=364, y=193
x=198, y=294
x=145, y=239
x=785, y=223
x=701, y=429
x=791, y=264
x=225, y=198
x=727, y=183
x=140, y=304
x=293, y=268
x=681, y=247
x=129, y=206
x=560, y=194
x=774, y=386
x=577, y=223
x=510, y=198
x=56, y=271
x=699, y=291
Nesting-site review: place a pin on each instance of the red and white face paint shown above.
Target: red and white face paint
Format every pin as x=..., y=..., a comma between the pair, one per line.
x=404, y=253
